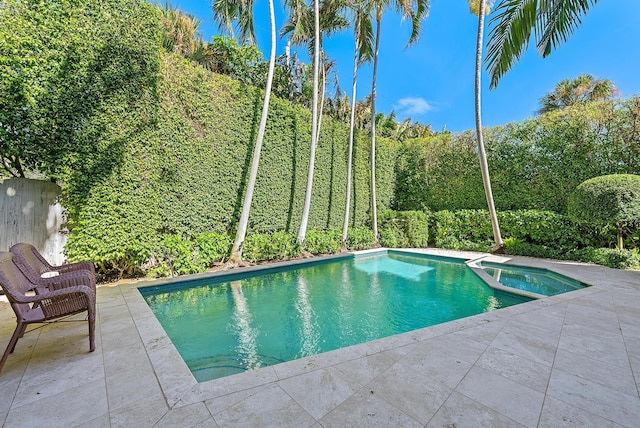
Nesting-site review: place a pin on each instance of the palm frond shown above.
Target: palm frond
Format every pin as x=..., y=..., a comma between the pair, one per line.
x=508, y=39
x=225, y=13
x=245, y=22
x=558, y=21
x=365, y=36
x=417, y=13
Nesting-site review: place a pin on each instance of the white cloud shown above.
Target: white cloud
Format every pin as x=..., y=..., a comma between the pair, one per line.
x=412, y=106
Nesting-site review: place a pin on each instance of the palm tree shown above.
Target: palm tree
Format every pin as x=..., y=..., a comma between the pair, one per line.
x=226, y=12
x=551, y=21
x=327, y=20
x=180, y=31
x=480, y=7
x=584, y=88
x=363, y=38
x=416, y=10
x=314, y=123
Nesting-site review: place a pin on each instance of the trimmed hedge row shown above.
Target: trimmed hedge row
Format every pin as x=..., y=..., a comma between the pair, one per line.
x=534, y=164
x=534, y=233
x=182, y=255
x=528, y=233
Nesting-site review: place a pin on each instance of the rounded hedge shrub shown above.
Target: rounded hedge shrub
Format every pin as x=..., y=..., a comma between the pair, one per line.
x=611, y=199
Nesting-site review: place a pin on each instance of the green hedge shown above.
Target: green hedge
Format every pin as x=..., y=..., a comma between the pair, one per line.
x=535, y=228
x=534, y=164
x=408, y=229
x=533, y=233
x=185, y=174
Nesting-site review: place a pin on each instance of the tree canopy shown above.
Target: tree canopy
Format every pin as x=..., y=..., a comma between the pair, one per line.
x=612, y=199
x=582, y=89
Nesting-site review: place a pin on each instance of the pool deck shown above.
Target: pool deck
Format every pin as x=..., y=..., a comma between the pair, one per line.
x=568, y=360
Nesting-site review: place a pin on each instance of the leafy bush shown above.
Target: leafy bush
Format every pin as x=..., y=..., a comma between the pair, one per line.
x=184, y=255
x=609, y=199
x=613, y=258
x=455, y=227
x=278, y=245
x=323, y=242
x=360, y=238
x=518, y=247
x=181, y=255
x=213, y=246
x=404, y=229
x=526, y=232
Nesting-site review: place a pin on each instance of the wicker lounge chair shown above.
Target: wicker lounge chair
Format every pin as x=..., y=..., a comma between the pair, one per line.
x=33, y=266
x=33, y=303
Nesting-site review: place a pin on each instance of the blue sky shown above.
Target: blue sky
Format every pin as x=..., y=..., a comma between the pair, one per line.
x=432, y=81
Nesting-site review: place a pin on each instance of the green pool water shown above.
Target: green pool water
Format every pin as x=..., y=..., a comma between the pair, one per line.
x=236, y=323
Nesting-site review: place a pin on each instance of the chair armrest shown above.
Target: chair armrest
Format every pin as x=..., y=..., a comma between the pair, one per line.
x=45, y=295
x=68, y=280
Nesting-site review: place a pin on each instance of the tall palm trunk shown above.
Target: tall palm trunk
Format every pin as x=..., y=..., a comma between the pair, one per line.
x=321, y=105
x=356, y=54
x=374, y=210
x=481, y=152
x=236, y=251
x=314, y=126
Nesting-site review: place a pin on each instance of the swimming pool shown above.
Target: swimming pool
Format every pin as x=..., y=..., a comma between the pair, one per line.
x=239, y=322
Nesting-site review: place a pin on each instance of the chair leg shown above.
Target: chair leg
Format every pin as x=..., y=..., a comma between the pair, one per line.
x=24, y=328
x=12, y=343
x=92, y=329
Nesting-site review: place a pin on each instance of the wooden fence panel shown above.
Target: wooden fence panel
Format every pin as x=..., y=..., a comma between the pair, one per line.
x=29, y=212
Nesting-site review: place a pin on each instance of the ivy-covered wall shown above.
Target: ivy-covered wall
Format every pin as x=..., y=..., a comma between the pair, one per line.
x=186, y=161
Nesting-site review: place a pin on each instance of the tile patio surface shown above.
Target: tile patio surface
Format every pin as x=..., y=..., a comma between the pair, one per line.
x=567, y=360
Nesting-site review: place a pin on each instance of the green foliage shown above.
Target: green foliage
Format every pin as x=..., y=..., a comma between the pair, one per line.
x=360, y=238
x=239, y=62
x=278, y=245
x=323, y=241
x=527, y=232
x=213, y=246
x=438, y=173
x=404, y=229
x=533, y=164
x=186, y=174
x=64, y=66
x=609, y=199
x=183, y=255
x=613, y=258
x=453, y=228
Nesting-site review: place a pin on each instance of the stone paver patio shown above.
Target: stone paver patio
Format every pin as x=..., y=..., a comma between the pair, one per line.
x=568, y=360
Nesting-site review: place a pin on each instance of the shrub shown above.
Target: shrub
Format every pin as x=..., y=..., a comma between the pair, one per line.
x=184, y=255
x=613, y=258
x=455, y=227
x=526, y=232
x=270, y=246
x=404, y=229
x=213, y=247
x=518, y=247
x=609, y=199
x=322, y=242
x=534, y=164
x=360, y=238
